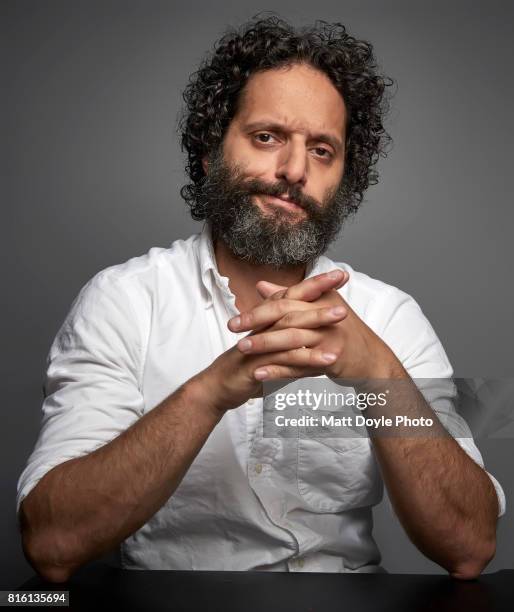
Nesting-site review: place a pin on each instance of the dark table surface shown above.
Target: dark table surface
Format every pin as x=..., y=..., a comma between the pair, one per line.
x=101, y=585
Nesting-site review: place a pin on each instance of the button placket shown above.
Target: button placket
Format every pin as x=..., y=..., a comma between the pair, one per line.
x=263, y=451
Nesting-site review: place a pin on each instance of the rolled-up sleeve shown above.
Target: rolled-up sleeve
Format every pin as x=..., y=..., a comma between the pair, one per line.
x=93, y=379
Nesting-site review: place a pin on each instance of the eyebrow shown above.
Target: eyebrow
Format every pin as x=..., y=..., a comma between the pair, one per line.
x=278, y=127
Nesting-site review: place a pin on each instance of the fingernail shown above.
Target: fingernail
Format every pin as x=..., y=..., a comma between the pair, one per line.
x=337, y=311
x=260, y=374
x=336, y=275
x=329, y=357
x=245, y=345
x=235, y=322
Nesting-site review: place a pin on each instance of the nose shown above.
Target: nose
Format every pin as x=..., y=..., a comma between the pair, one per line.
x=293, y=164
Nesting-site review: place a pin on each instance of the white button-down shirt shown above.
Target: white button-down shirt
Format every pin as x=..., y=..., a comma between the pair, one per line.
x=139, y=330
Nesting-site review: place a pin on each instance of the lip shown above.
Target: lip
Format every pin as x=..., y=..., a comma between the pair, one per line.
x=284, y=203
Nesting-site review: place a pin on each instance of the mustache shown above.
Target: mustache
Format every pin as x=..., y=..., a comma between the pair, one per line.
x=280, y=189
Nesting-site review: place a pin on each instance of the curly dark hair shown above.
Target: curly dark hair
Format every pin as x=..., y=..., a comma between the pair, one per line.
x=214, y=91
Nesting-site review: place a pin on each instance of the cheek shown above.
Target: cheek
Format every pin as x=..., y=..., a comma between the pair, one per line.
x=324, y=183
x=318, y=185
x=239, y=152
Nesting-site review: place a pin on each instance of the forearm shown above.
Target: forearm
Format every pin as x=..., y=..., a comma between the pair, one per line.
x=87, y=506
x=444, y=500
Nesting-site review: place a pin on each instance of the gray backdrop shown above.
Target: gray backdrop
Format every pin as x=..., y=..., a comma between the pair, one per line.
x=93, y=167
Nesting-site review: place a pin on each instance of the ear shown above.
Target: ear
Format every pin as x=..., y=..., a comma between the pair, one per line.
x=205, y=164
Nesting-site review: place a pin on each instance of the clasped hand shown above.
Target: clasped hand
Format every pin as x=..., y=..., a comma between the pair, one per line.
x=308, y=329
x=304, y=330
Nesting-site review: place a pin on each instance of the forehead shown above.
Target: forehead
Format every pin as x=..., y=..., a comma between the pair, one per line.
x=298, y=96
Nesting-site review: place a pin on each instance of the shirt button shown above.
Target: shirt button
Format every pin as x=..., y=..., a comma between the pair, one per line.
x=300, y=562
x=250, y=401
x=258, y=468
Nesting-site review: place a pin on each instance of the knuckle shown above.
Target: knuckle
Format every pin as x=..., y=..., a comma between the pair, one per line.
x=258, y=342
x=274, y=371
x=279, y=294
x=288, y=319
x=298, y=355
x=295, y=336
x=261, y=343
x=289, y=372
x=282, y=307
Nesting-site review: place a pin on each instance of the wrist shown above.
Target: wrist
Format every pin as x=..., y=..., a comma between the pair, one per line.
x=198, y=391
x=383, y=364
x=388, y=368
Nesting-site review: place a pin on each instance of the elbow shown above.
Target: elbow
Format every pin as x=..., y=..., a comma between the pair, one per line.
x=55, y=575
x=43, y=551
x=46, y=564
x=43, y=562
x=471, y=567
x=467, y=571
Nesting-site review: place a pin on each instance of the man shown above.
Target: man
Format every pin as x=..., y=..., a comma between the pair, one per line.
x=151, y=435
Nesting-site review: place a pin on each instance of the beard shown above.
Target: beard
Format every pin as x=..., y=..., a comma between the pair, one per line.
x=277, y=238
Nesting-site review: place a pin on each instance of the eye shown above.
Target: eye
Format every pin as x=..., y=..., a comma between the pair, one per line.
x=322, y=152
x=264, y=137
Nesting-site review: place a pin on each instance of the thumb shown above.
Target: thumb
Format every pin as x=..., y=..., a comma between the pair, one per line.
x=267, y=289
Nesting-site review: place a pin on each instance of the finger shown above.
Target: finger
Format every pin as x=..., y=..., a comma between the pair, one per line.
x=267, y=289
x=312, y=288
x=270, y=314
x=274, y=372
x=265, y=314
x=309, y=289
x=281, y=340
x=278, y=295
x=312, y=319
x=344, y=280
x=301, y=357
x=291, y=364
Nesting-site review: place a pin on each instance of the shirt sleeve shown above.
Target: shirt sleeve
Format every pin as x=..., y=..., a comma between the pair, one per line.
x=92, y=385
x=400, y=322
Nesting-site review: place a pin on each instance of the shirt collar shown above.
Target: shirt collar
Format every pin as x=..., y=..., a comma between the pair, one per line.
x=210, y=274
x=209, y=268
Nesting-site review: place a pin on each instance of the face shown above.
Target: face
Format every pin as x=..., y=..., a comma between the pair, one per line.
x=290, y=128
x=273, y=192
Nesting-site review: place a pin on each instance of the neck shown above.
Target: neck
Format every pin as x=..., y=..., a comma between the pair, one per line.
x=243, y=276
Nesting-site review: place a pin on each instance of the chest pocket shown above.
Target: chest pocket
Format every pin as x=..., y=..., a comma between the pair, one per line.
x=337, y=474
